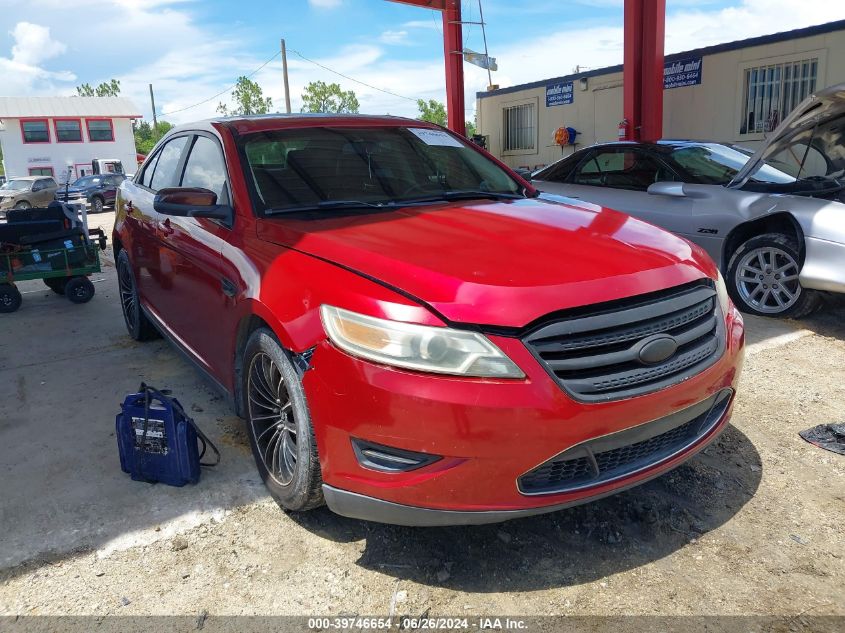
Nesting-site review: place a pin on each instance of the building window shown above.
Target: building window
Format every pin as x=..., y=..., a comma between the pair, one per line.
x=772, y=92
x=35, y=131
x=100, y=130
x=520, y=129
x=68, y=130
x=41, y=171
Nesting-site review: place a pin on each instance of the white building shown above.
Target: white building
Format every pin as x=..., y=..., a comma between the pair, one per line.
x=58, y=136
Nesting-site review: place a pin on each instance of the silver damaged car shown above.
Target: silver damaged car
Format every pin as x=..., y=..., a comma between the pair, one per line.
x=773, y=220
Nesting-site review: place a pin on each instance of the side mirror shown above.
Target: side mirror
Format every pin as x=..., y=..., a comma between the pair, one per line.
x=190, y=202
x=672, y=189
x=524, y=173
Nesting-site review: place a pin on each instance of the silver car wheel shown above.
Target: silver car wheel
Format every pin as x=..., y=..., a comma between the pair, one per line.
x=271, y=418
x=767, y=280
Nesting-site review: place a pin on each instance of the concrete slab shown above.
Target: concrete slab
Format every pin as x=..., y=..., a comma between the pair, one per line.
x=64, y=369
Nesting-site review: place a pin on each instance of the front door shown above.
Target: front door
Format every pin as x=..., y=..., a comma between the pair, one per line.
x=198, y=303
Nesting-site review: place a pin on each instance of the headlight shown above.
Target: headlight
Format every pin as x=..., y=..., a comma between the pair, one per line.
x=419, y=347
x=722, y=294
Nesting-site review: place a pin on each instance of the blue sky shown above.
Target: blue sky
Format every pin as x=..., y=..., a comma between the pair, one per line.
x=192, y=49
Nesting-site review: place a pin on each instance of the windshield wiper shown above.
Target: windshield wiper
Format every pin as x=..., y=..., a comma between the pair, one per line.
x=330, y=205
x=468, y=195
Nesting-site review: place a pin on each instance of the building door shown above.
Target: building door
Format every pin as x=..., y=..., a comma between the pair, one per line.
x=607, y=114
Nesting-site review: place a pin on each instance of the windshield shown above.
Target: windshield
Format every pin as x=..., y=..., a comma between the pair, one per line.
x=86, y=181
x=715, y=164
x=812, y=154
x=17, y=184
x=322, y=167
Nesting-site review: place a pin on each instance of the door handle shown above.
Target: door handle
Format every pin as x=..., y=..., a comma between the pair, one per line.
x=228, y=287
x=166, y=227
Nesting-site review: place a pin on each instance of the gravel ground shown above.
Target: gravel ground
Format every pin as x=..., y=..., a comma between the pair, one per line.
x=752, y=526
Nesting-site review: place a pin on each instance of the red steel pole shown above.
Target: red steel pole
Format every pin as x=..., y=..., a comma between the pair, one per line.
x=654, y=36
x=632, y=73
x=453, y=46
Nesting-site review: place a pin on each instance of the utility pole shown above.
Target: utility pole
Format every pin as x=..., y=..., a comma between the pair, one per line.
x=285, y=73
x=486, y=52
x=153, y=104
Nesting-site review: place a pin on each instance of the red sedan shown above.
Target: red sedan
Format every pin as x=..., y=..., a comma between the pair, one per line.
x=413, y=337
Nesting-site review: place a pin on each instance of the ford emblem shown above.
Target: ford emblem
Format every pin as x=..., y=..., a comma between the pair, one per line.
x=656, y=349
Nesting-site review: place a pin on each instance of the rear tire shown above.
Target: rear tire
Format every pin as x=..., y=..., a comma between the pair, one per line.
x=79, y=290
x=763, y=280
x=138, y=325
x=56, y=284
x=279, y=425
x=10, y=298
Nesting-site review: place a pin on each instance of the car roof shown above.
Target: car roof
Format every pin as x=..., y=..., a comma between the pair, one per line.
x=277, y=121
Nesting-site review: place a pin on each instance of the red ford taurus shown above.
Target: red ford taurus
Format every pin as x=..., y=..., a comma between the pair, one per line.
x=411, y=336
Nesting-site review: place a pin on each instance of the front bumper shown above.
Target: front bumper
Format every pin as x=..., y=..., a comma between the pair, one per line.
x=824, y=265
x=488, y=432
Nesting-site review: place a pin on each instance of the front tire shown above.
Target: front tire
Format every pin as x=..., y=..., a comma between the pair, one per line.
x=279, y=425
x=23, y=205
x=763, y=278
x=97, y=204
x=138, y=325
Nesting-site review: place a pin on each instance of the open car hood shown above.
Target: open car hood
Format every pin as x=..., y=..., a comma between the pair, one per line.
x=823, y=106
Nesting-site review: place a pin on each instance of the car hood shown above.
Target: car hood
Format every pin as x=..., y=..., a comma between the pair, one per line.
x=61, y=190
x=12, y=192
x=499, y=263
x=816, y=109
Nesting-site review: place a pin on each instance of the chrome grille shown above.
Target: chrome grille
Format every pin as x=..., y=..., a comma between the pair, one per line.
x=602, y=356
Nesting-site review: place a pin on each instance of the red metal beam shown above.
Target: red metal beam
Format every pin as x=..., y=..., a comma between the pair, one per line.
x=645, y=30
x=453, y=46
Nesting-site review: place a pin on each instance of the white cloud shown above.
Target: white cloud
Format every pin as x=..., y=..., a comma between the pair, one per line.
x=433, y=24
x=23, y=72
x=393, y=37
x=33, y=44
x=325, y=4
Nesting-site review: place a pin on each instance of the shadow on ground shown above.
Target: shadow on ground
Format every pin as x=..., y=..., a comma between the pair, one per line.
x=569, y=547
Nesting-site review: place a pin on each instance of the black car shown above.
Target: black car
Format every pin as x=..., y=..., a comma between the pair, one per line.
x=99, y=190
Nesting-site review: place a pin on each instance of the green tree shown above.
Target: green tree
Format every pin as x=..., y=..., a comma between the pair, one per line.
x=247, y=98
x=146, y=137
x=109, y=88
x=322, y=97
x=433, y=111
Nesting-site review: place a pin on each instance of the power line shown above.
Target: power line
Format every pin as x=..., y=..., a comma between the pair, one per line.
x=340, y=74
x=253, y=73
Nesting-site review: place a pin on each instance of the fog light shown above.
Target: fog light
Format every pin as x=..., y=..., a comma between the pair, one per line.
x=388, y=459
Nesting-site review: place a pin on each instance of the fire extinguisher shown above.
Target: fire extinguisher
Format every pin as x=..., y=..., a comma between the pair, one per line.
x=623, y=129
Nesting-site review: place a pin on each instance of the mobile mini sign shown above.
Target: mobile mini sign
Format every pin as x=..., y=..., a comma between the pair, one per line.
x=683, y=72
x=559, y=94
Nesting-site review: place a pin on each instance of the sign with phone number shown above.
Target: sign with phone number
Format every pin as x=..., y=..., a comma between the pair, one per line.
x=683, y=72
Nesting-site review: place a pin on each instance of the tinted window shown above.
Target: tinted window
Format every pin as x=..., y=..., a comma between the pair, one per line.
x=100, y=130
x=168, y=160
x=35, y=131
x=205, y=167
x=147, y=174
x=621, y=169
x=559, y=171
x=378, y=165
x=68, y=131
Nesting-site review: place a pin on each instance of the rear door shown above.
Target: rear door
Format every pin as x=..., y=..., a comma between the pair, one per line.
x=152, y=266
x=199, y=300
